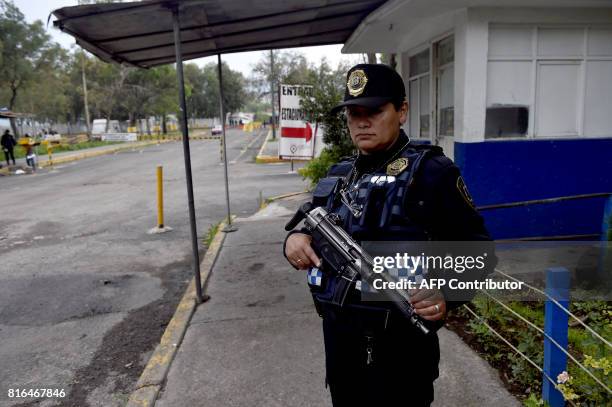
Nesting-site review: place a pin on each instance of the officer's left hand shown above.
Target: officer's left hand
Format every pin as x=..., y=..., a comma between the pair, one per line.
x=429, y=304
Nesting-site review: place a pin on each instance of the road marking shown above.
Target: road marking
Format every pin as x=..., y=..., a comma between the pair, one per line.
x=244, y=150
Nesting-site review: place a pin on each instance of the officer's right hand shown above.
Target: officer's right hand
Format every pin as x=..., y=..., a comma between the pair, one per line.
x=299, y=253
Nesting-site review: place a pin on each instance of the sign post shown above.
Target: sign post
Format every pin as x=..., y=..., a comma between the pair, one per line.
x=297, y=138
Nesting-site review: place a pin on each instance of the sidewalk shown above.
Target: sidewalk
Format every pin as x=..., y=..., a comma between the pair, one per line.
x=258, y=340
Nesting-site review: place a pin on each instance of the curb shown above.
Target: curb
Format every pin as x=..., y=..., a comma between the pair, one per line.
x=283, y=196
x=154, y=374
x=266, y=159
x=90, y=154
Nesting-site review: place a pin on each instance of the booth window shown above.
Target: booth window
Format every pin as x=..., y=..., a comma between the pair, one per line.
x=506, y=121
x=549, y=81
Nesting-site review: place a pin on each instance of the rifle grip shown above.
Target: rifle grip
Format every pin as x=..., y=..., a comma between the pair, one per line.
x=300, y=214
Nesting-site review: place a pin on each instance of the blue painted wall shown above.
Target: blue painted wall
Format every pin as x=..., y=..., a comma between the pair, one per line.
x=521, y=170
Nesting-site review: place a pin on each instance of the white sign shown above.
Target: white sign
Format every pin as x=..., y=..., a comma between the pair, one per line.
x=297, y=135
x=119, y=137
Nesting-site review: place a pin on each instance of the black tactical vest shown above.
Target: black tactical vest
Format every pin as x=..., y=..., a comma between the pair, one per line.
x=389, y=210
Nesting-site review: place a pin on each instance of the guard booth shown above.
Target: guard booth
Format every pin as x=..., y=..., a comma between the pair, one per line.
x=519, y=97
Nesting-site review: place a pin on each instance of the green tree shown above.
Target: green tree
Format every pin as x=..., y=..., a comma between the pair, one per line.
x=164, y=100
x=106, y=90
x=26, y=51
x=328, y=92
x=205, y=90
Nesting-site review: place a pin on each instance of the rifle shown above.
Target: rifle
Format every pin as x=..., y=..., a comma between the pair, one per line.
x=349, y=259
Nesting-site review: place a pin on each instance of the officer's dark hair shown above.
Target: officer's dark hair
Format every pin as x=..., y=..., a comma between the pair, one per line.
x=397, y=103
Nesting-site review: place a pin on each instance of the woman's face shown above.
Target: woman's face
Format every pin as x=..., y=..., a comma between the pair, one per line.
x=375, y=129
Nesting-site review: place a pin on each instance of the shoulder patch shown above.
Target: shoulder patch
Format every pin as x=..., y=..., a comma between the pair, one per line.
x=462, y=188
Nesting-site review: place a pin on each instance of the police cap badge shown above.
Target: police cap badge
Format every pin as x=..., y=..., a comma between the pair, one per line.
x=356, y=82
x=372, y=85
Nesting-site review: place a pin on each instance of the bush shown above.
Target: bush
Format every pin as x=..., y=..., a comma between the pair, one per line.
x=519, y=373
x=318, y=167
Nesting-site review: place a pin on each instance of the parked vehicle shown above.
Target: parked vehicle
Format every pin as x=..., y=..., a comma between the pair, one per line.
x=216, y=130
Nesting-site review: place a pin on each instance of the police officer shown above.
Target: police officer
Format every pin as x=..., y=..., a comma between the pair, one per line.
x=374, y=356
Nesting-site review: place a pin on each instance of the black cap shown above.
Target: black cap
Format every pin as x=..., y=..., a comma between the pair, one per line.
x=372, y=85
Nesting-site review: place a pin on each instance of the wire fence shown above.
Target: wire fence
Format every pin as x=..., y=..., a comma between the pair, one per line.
x=542, y=332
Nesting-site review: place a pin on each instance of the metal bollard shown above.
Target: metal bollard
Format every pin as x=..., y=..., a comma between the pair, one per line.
x=50, y=153
x=556, y=327
x=160, y=198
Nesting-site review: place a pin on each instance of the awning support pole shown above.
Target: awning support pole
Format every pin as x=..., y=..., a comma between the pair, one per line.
x=272, y=94
x=185, y=131
x=228, y=227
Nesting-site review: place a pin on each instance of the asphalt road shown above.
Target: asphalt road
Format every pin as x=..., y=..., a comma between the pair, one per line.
x=85, y=291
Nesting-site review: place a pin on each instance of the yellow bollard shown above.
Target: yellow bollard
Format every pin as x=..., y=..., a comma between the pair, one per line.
x=50, y=153
x=160, y=198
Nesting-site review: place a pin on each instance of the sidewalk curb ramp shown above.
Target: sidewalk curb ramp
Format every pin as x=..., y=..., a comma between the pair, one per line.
x=154, y=374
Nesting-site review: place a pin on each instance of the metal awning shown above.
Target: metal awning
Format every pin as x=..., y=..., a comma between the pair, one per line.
x=7, y=114
x=141, y=33
x=158, y=32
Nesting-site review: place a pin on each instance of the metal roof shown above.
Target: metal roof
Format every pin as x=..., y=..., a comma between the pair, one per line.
x=141, y=33
x=7, y=114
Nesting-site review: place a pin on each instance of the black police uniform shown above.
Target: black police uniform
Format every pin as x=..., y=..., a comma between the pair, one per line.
x=373, y=355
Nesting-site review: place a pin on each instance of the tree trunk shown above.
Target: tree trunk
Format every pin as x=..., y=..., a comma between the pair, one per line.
x=164, y=129
x=107, y=124
x=372, y=58
x=148, y=126
x=10, y=106
x=393, y=60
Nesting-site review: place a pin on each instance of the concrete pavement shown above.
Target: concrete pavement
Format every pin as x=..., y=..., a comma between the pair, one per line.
x=85, y=292
x=258, y=341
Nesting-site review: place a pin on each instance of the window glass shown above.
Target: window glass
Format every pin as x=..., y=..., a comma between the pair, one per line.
x=510, y=41
x=446, y=101
x=424, y=107
x=419, y=63
x=598, y=107
x=557, y=98
x=600, y=42
x=446, y=51
x=413, y=112
x=557, y=42
x=509, y=82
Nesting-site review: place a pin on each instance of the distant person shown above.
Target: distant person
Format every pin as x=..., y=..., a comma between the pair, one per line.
x=8, y=145
x=30, y=154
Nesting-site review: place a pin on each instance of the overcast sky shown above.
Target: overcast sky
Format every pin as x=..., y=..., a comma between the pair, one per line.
x=243, y=62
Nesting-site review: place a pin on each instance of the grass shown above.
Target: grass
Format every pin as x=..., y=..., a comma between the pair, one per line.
x=41, y=150
x=211, y=233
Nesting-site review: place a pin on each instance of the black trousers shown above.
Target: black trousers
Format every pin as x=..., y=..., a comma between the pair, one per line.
x=9, y=153
x=376, y=360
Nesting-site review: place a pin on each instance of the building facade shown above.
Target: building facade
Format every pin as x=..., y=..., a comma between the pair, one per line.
x=520, y=97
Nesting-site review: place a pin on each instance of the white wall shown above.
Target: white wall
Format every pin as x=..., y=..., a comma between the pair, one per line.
x=470, y=27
